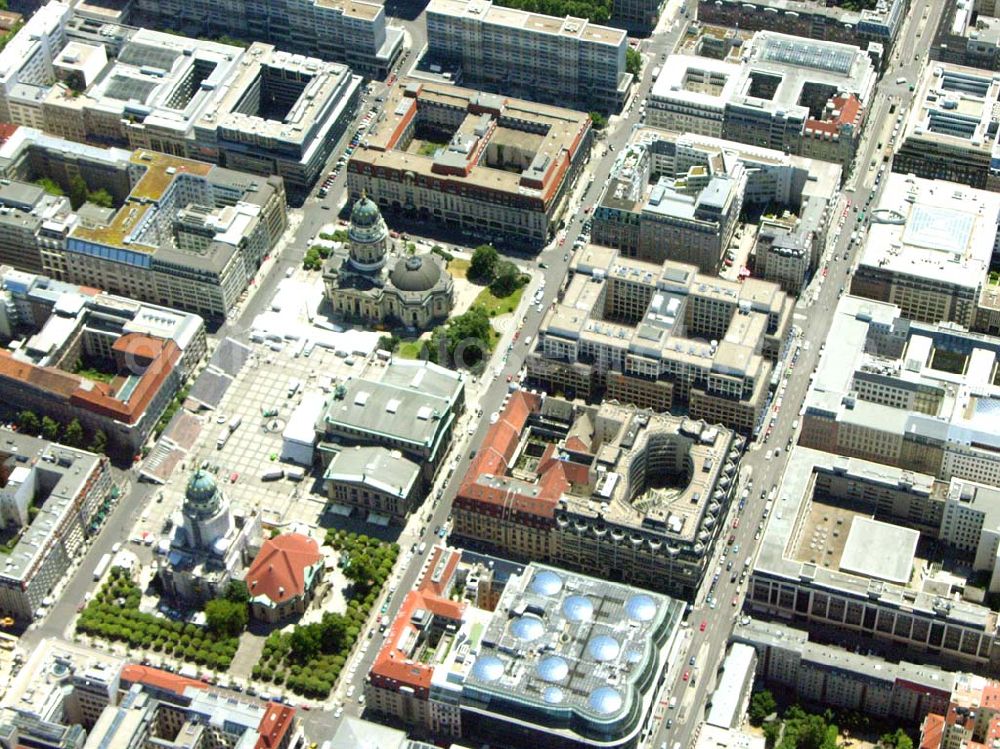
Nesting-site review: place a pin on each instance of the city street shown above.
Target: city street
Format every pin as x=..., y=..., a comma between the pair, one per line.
x=709, y=625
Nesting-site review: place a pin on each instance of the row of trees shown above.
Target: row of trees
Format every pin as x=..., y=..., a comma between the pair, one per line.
x=72, y=433
x=798, y=729
x=308, y=660
x=114, y=615
x=598, y=11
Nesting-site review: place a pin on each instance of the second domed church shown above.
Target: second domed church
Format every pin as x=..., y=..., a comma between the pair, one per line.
x=370, y=282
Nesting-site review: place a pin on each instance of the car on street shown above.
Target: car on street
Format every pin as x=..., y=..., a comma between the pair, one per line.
x=691, y=661
x=233, y=477
x=704, y=623
x=686, y=676
x=736, y=600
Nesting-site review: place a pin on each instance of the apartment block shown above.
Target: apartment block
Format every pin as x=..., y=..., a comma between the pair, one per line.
x=969, y=718
x=797, y=96
x=928, y=249
x=809, y=19
x=845, y=678
x=906, y=394
x=72, y=489
x=505, y=172
x=562, y=660
x=355, y=33
x=951, y=131
x=191, y=235
x=662, y=336
x=27, y=217
x=826, y=560
x=565, y=61
x=613, y=491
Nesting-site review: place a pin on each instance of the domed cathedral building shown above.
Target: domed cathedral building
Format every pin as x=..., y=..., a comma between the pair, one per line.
x=371, y=281
x=210, y=545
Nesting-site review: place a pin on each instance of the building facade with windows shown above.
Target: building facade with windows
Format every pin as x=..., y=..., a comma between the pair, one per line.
x=565, y=61
x=662, y=336
x=504, y=174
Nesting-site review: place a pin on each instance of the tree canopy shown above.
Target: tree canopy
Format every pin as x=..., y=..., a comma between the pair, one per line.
x=225, y=617
x=483, y=265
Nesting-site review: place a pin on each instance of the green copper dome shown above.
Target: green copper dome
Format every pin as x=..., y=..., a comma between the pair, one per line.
x=202, y=495
x=365, y=213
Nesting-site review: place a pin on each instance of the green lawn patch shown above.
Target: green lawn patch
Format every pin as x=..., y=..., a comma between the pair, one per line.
x=459, y=268
x=498, y=305
x=410, y=349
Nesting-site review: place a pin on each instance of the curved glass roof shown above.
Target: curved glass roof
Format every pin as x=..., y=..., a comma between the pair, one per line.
x=527, y=628
x=578, y=608
x=605, y=700
x=603, y=648
x=487, y=668
x=552, y=668
x=640, y=608
x=545, y=583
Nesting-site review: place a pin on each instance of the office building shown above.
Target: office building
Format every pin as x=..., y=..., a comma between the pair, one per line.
x=408, y=406
x=72, y=491
x=371, y=281
x=700, y=185
x=968, y=34
x=732, y=692
x=810, y=19
x=355, y=33
x=610, y=490
x=155, y=706
x=378, y=481
x=563, y=660
x=61, y=684
x=662, y=336
x=928, y=249
x=26, y=213
x=907, y=394
x=845, y=678
x=26, y=63
x=504, y=174
x=259, y=110
x=713, y=737
x=825, y=560
x=689, y=218
x=638, y=16
x=951, y=130
x=50, y=330
x=798, y=96
x=565, y=61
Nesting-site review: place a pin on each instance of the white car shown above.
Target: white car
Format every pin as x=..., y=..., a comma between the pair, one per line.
x=350, y=691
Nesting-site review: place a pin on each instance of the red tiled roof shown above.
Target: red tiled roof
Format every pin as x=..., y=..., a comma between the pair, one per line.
x=931, y=731
x=278, y=572
x=991, y=696
x=133, y=673
x=7, y=129
x=393, y=663
x=494, y=459
x=274, y=725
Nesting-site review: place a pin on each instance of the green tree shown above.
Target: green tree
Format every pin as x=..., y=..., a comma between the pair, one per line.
x=482, y=267
x=333, y=629
x=305, y=642
x=633, y=61
x=360, y=571
x=29, y=423
x=101, y=197
x=599, y=120
x=762, y=704
x=50, y=429
x=897, y=740
x=388, y=342
x=226, y=618
x=237, y=592
x=464, y=341
x=50, y=186
x=99, y=444
x=73, y=435
x=507, y=279
x=77, y=191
